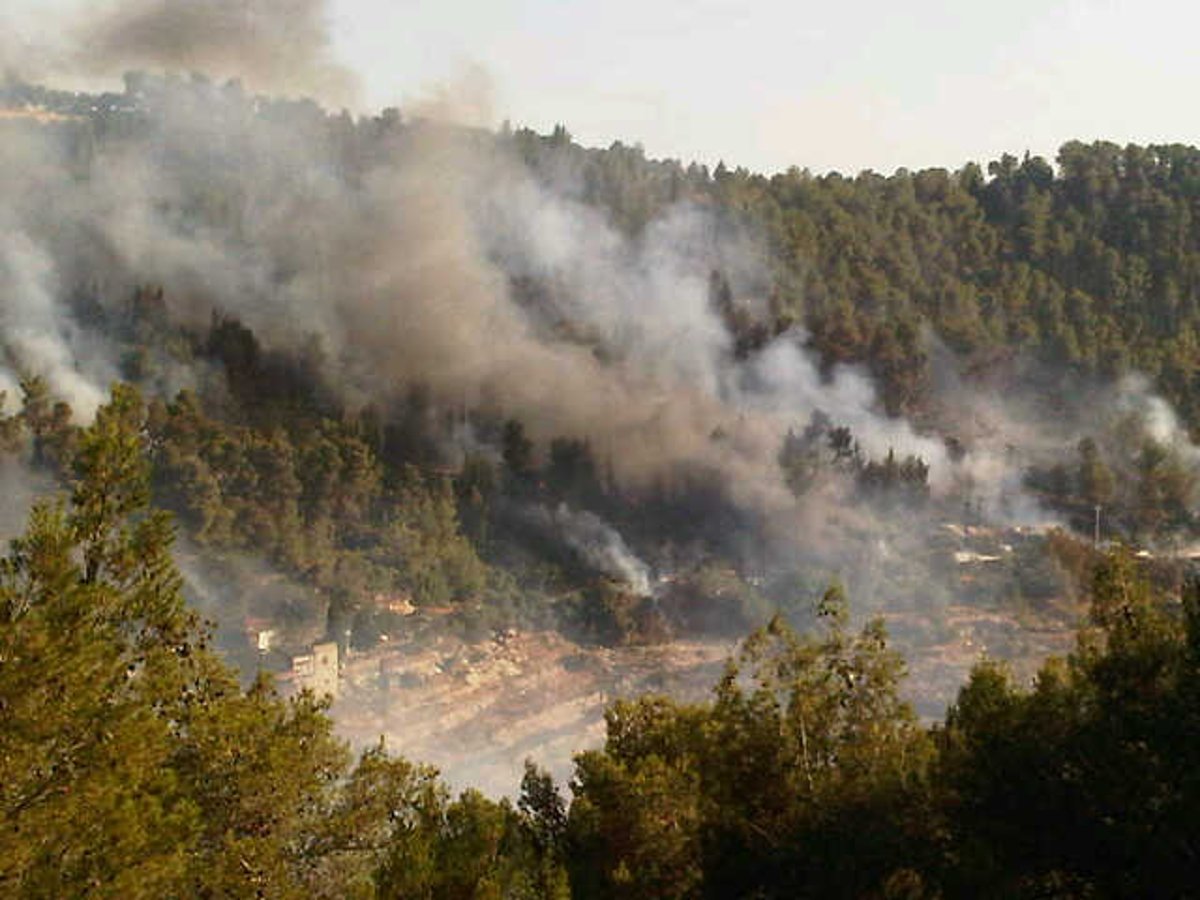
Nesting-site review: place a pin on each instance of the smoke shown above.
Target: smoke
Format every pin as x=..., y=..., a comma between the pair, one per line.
x=37, y=337
x=406, y=251
x=233, y=590
x=784, y=380
x=426, y=253
x=466, y=98
x=1135, y=398
x=273, y=46
x=598, y=544
x=421, y=252
x=19, y=490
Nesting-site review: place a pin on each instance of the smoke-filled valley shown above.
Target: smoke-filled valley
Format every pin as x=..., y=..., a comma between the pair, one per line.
x=525, y=384
x=518, y=427
x=557, y=373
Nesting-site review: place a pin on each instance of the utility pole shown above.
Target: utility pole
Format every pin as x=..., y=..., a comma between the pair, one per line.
x=1096, y=534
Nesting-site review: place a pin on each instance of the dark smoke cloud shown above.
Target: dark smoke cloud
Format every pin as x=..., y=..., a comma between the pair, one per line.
x=273, y=46
x=402, y=264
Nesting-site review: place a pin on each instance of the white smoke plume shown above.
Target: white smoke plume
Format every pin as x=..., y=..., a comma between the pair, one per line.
x=600, y=546
x=37, y=336
x=1135, y=397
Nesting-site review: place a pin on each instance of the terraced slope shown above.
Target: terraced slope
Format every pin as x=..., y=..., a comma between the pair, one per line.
x=477, y=711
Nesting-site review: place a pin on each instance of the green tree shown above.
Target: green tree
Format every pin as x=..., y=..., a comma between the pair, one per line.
x=130, y=762
x=49, y=424
x=1085, y=785
x=805, y=777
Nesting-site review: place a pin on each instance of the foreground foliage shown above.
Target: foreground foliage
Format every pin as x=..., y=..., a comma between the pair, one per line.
x=133, y=765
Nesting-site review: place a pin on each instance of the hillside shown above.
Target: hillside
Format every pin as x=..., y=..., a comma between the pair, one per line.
x=562, y=387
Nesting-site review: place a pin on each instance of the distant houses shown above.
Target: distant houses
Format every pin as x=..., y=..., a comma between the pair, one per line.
x=317, y=670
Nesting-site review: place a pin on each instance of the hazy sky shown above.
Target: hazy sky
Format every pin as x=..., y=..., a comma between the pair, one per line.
x=829, y=85
x=768, y=84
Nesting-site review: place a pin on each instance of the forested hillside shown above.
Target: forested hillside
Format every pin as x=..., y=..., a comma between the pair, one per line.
x=1088, y=262
x=985, y=348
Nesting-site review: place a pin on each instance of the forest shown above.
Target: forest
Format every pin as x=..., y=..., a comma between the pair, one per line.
x=518, y=382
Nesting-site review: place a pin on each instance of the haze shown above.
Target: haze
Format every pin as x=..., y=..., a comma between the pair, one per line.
x=772, y=84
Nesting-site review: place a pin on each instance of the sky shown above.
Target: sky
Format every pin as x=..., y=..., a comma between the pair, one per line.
x=843, y=86
x=830, y=85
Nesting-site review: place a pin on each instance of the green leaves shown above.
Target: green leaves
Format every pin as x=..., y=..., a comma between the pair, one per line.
x=132, y=764
x=806, y=745
x=111, y=484
x=1088, y=779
